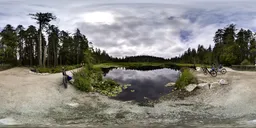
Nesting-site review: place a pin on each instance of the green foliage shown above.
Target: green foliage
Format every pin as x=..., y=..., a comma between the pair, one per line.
x=5, y=66
x=108, y=87
x=9, y=40
x=185, y=79
x=246, y=62
x=230, y=55
x=231, y=48
x=92, y=81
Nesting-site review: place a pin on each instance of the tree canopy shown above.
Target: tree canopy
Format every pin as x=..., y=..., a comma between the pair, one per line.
x=231, y=48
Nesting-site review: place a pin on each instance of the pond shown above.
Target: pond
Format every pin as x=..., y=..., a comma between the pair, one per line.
x=144, y=83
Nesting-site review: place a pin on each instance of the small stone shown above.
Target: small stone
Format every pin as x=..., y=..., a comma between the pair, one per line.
x=7, y=121
x=191, y=87
x=203, y=85
x=202, y=81
x=214, y=84
x=198, y=69
x=73, y=104
x=170, y=84
x=223, y=82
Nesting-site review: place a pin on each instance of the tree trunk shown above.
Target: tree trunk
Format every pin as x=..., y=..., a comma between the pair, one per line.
x=45, y=53
x=30, y=56
x=54, y=54
x=48, y=57
x=60, y=60
x=77, y=55
x=40, y=45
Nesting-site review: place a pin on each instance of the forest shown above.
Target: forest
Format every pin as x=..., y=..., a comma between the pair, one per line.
x=232, y=47
x=48, y=46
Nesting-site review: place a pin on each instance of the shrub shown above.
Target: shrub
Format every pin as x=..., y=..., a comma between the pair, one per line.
x=245, y=62
x=92, y=81
x=185, y=79
x=43, y=70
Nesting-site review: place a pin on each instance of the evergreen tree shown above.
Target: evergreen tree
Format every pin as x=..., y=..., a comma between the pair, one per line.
x=43, y=20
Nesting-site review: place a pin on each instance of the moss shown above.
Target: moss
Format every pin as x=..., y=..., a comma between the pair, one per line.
x=185, y=79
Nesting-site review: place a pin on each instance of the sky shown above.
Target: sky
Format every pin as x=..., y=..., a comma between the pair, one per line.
x=138, y=27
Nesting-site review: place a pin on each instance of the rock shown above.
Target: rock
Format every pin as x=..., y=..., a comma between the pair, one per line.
x=223, y=82
x=72, y=81
x=7, y=121
x=198, y=69
x=147, y=103
x=204, y=85
x=170, y=84
x=191, y=87
x=202, y=81
x=73, y=104
x=214, y=84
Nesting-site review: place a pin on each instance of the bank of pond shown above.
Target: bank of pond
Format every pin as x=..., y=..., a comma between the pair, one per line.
x=137, y=82
x=131, y=82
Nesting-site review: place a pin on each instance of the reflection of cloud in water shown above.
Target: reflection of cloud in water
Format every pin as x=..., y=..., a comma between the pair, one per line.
x=145, y=83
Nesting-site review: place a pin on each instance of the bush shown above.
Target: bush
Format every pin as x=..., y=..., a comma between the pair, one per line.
x=245, y=62
x=185, y=79
x=92, y=81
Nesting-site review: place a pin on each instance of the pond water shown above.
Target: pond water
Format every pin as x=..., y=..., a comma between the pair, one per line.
x=144, y=83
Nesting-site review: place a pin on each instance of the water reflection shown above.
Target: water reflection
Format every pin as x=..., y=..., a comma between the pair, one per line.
x=148, y=84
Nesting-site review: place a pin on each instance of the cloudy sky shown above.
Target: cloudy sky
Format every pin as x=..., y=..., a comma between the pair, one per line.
x=138, y=27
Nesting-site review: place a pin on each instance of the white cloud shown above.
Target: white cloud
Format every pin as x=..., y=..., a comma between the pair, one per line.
x=96, y=18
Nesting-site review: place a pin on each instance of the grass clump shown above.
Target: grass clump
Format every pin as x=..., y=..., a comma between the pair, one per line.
x=185, y=79
x=245, y=62
x=5, y=66
x=91, y=80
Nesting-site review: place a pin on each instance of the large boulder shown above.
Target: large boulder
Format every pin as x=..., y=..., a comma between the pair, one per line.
x=223, y=82
x=214, y=84
x=191, y=87
x=170, y=84
x=204, y=85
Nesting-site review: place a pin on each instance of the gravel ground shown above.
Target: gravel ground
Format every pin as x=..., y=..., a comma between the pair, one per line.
x=29, y=99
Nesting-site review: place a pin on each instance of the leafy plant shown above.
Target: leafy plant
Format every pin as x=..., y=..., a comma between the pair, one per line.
x=185, y=79
x=245, y=62
x=92, y=81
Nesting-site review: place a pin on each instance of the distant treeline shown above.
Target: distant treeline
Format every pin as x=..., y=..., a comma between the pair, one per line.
x=103, y=57
x=49, y=46
x=140, y=58
x=231, y=48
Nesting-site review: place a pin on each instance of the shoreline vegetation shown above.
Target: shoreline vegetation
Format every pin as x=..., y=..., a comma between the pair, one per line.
x=128, y=65
x=144, y=64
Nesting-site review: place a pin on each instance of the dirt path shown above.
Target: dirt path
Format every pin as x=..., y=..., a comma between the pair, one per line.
x=31, y=99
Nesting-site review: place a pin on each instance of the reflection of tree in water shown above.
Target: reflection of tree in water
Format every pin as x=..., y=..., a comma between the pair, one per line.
x=142, y=68
x=106, y=70
x=147, y=83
